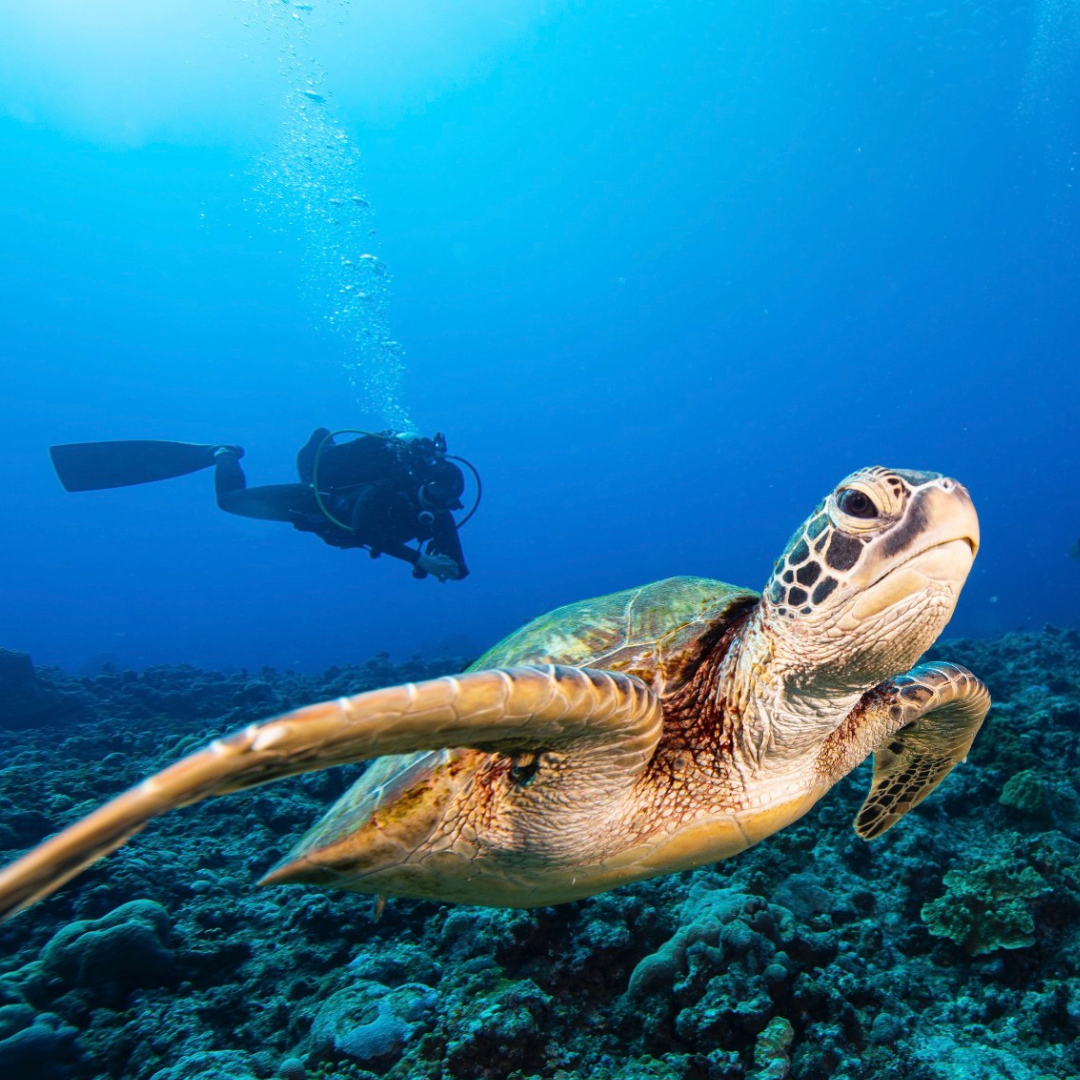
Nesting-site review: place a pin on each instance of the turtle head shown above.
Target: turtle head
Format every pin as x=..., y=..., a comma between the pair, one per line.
x=870, y=580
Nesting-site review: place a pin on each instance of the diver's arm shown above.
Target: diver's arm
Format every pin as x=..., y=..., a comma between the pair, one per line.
x=422, y=564
x=401, y=551
x=441, y=566
x=446, y=541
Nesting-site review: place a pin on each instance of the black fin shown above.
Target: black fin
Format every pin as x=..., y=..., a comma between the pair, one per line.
x=97, y=465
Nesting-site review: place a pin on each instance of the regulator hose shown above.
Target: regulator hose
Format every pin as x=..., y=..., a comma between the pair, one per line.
x=379, y=435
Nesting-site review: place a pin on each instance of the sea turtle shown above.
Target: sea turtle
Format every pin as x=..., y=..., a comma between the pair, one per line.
x=653, y=730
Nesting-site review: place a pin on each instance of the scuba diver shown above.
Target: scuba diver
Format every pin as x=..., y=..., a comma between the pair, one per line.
x=378, y=491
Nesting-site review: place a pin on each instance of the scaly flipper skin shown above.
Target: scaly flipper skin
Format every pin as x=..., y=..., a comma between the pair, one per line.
x=607, y=721
x=921, y=725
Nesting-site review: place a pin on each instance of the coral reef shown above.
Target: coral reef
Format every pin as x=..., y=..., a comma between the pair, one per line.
x=25, y=702
x=1026, y=792
x=984, y=909
x=370, y=1023
x=950, y=947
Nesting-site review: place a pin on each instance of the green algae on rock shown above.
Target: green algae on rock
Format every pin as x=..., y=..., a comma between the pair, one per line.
x=1026, y=791
x=985, y=908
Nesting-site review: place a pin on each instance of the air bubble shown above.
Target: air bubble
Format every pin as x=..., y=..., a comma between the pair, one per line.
x=309, y=187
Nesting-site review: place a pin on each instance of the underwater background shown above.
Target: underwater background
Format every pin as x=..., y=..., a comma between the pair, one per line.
x=664, y=273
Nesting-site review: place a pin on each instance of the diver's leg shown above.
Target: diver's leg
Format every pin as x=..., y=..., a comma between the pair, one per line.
x=228, y=475
x=273, y=502
x=269, y=502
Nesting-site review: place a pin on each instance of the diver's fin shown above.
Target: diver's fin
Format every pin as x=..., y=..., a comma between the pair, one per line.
x=96, y=465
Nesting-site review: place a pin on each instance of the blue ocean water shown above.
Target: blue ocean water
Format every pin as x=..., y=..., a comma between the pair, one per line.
x=665, y=272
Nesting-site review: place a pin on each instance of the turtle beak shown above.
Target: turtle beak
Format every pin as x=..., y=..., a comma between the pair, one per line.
x=935, y=546
x=960, y=515
x=942, y=517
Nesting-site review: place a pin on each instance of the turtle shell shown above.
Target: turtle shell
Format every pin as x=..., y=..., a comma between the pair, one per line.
x=658, y=632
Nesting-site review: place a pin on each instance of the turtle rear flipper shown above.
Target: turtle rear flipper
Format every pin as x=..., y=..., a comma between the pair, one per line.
x=607, y=720
x=931, y=716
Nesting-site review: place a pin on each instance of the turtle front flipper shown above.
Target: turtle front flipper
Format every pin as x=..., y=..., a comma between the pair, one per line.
x=503, y=710
x=927, y=721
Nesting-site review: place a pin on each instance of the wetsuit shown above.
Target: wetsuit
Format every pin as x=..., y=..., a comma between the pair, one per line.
x=389, y=491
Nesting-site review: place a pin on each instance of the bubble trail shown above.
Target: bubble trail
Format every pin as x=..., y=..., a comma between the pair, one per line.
x=1050, y=94
x=309, y=184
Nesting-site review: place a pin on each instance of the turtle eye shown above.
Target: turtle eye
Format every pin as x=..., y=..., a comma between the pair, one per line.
x=856, y=503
